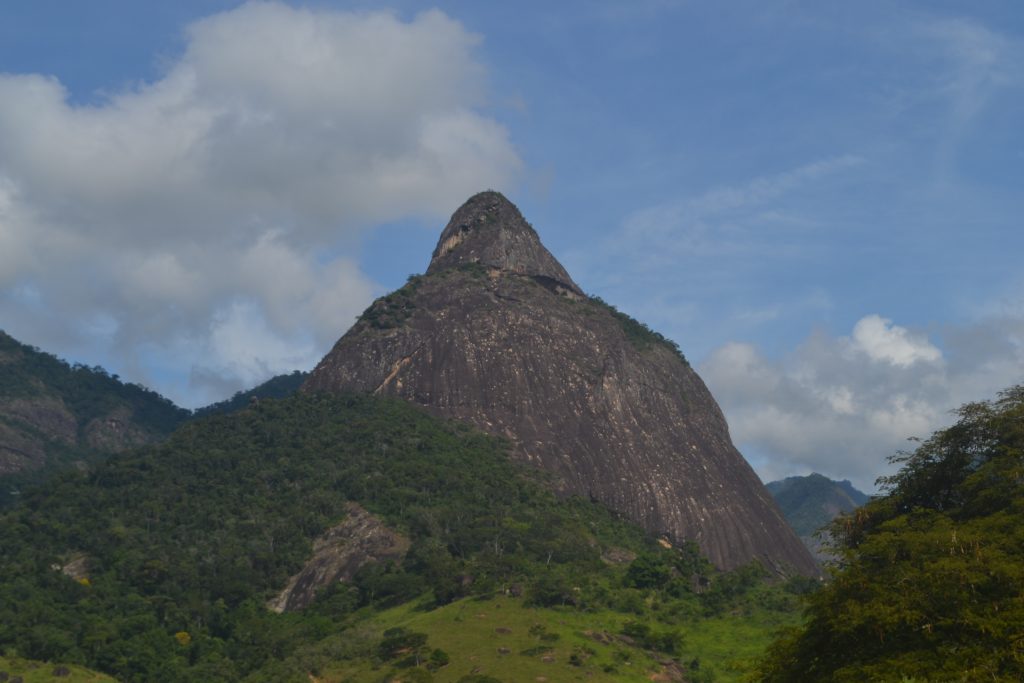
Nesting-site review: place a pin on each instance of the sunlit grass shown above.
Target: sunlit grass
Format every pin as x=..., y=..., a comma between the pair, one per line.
x=503, y=638
x=37, y=672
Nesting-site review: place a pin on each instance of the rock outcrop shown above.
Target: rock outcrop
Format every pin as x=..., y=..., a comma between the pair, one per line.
x=498, y=335
x=338, y=553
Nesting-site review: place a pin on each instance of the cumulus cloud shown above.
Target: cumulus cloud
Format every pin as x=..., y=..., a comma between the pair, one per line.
x=208, y=209
x=882, y=341
x=842, y=405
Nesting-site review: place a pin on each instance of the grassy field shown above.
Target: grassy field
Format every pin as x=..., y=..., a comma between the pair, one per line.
x=45, y=672
x=502, y=638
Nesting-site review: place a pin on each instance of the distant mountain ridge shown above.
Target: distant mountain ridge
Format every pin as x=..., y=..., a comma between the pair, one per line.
x=812, y=501
x=53, y=413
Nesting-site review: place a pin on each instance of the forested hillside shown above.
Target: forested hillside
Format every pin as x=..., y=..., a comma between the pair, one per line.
x=158, y=564
x=53, y=414
x=279, y=386
x=810, y=502
x=929, y=584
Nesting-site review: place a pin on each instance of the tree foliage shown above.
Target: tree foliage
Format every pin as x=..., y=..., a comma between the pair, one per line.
x=88, y=392
x=186, y=541
x=639, y=334
x=194, y=535
x=930, y=580
x=279, y=386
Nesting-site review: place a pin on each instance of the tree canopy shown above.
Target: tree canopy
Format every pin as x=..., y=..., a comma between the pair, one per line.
x=929, y=583
x=157, y=564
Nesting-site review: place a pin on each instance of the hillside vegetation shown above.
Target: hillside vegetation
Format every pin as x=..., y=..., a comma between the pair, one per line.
x=929, y=584
x=279, y=386
x=812, y=501
x=88, y=392
x=54, y=415
x=157, y=565
x=13, y=668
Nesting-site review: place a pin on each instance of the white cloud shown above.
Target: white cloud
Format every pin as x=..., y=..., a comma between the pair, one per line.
x=963, y=68
x=278, y=135
x=842, y=405
x=242, y=344
x=883, y=341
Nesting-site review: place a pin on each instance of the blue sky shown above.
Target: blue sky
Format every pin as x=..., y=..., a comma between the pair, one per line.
x=820, y=202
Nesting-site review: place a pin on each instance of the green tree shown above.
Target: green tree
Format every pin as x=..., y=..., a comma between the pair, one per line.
x=930, y=582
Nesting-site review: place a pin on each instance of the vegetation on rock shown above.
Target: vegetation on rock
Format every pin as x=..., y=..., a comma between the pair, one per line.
x=639, y=334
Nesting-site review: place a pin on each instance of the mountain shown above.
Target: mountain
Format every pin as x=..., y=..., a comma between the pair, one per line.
x=498, y=335
x=280, y=386
x=812, y=501
x=53, y=413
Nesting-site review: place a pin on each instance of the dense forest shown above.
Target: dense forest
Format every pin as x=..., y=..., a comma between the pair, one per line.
x=88, y=392
x=929, y=580
x=279, y=386
x=55, y=415
x=179, y=546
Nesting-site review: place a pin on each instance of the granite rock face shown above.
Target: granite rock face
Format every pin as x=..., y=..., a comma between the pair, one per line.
x=489, y=230
x=498, y=335
x=338, y=553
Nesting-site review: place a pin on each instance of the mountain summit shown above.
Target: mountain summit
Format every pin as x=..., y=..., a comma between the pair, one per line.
x=488, y=229
x=496, y=334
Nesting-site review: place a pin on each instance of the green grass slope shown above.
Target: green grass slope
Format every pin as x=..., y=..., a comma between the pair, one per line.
x=45, y=672
x=512, y=640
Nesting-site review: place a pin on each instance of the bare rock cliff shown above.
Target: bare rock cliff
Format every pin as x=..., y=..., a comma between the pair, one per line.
x=338, y=553
x=497, y=334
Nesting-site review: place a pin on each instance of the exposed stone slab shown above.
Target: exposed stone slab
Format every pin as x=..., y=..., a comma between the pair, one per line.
x=513, y=348
x=338, y=553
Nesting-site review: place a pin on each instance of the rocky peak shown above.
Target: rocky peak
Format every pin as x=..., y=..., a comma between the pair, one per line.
x=512, y=347
x=488, y=229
